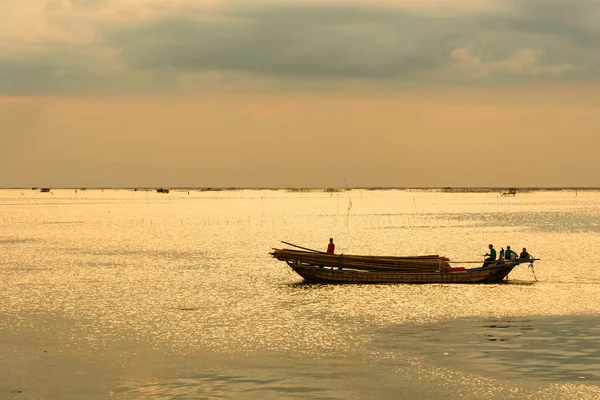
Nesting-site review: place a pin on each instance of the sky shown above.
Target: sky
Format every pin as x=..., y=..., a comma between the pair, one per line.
x=299, y=93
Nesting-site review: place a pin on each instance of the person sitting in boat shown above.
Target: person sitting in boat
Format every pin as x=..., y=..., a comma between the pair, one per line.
x=491, y=256
x=509, y=254
x=330, y=247
x=524, y=255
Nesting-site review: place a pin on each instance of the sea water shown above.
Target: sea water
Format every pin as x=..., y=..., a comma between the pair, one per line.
x=138, y=294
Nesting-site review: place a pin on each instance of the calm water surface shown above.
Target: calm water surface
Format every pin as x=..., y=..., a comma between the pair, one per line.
x=123, y=294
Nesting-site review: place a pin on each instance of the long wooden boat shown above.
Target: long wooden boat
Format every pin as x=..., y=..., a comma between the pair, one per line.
x=488, y=274
x=337, y=268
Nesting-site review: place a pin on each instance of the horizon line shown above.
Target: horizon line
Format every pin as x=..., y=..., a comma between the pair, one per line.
x=330, y=188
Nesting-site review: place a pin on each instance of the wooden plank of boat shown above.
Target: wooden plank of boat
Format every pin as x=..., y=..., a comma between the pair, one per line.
x=282, y=254
x=370, y=263
x=391, y=258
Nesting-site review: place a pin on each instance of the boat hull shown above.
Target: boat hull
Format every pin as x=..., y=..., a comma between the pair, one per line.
x=317, y=274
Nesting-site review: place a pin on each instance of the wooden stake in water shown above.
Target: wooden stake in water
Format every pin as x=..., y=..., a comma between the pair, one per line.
x=349, y=207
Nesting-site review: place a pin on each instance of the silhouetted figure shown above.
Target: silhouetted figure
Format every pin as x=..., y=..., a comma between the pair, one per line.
x=509, y=254
x=491, y=254
x=331, y=246
x=525, y=255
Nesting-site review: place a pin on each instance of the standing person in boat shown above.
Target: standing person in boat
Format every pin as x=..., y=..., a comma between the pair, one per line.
x=491, y=254
x=330, y=247
x=524, y=255
x=509, y=254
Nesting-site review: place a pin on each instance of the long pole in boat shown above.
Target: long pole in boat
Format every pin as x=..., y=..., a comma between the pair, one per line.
x=303, y=248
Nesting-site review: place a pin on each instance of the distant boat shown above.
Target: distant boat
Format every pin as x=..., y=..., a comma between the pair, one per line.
x=509, y=192
x=45, y=190
x=162, y=190
x=340, y=268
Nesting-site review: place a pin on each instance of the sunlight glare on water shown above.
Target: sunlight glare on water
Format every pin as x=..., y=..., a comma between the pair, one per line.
x=137, y=277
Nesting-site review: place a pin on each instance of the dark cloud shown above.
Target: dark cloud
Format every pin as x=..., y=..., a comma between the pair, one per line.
x=300, y=44
x=568, y=31
x=52, y=73
x=315, y=42
x=68, y=69
x=342, y=41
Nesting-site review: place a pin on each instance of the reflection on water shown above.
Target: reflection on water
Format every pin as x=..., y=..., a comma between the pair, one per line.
x=220, y=385
x=189, y=274
x=542, y=348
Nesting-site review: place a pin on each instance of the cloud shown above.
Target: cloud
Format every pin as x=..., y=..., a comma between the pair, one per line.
x=353, y=41
x=102, y=46
x=525, y=62
x=288, y=42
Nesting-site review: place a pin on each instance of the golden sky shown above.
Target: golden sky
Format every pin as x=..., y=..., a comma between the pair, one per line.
x=299, y=93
